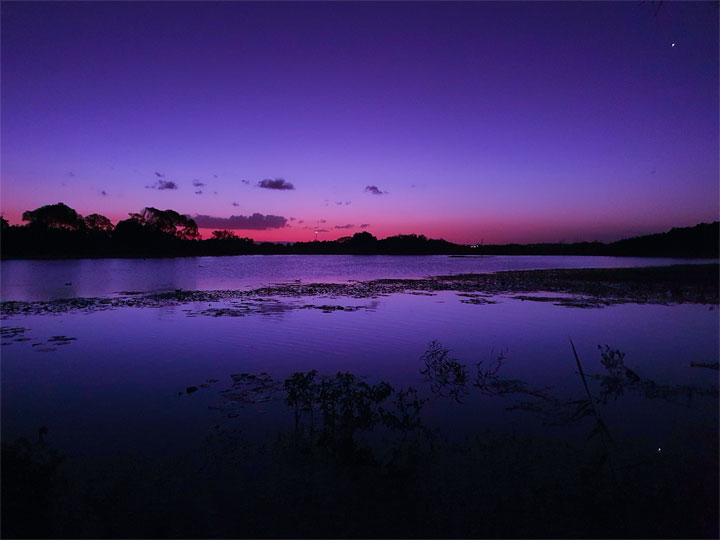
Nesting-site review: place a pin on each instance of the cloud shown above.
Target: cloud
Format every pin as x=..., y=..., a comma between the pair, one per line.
x=347, y=202
x=339, y=203
x=364, y=225
x=163, y=184
x=301, y=221
x=278, y=183
x=375, y=190
x=198, y=183
x=292, y=219
x=255, y=222
x=103, y=193
x=198, y=192
x=245, y=182
x=321, y=230
x=215, y=175
x=348, y=226
x=323, y=221
x=159, y=175
x=70, y=173
x=236, y=204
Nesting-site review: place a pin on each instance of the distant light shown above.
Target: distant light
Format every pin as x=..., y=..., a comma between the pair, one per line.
x=659, y=449
x=673, y=44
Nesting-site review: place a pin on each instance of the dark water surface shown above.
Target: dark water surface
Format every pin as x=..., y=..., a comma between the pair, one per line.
x=114, y=383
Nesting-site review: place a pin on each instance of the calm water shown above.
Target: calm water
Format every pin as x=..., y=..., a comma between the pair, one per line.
x=119, y=386
x=46, y=280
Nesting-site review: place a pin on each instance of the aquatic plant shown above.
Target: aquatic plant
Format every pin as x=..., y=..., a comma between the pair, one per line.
x=29, y=481
x=447, y=376
x=589, y=407
x=301, y=393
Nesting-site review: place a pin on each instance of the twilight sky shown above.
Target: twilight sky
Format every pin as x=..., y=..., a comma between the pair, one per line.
x=492, y=122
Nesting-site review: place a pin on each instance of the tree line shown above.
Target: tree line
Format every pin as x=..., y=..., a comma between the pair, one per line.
x=58, y=231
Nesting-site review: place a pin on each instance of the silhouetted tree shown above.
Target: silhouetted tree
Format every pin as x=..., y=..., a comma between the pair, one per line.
x=224, y=235
x=57, y=215
x=363, y=242
x=97, y=222
x=168, y=221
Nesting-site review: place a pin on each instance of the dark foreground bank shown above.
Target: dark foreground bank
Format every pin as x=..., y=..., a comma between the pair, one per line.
x=359, y=462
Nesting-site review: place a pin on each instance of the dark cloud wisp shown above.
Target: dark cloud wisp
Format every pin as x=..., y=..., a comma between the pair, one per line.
x=278, y=183
x=255, y=222
x=375, y=190
x=348, y=226
x=163, y=184
x=198, y=183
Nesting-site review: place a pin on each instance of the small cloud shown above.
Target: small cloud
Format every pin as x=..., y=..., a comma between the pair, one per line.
x=215, y=192
x=321, y=230
x=159, y=175
x=278, y=183
x=301, y=221
x=364, y=225
x=255, y=222
x=348, y=226
x=347, y=202
x=375, y=190
x=245, y=182
x=292, y=219
x=215, y=175
x=236, y=204
x=339, y=203
x=323, y=221
x=103, y=193
x=162, y=185
x=198, y=183
x=71, y=174
x=198, y=192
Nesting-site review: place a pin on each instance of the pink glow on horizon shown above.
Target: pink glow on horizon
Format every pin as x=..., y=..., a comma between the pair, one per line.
x=493, y=229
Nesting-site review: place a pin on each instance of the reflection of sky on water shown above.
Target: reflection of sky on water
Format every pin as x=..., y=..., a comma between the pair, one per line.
x=116, y=387
x=45, y=280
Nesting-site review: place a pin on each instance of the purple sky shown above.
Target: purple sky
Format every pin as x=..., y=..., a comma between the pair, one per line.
x=511, y=122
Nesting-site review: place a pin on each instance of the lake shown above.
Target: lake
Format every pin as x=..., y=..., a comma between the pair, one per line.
x=69, y=278
x=154, y=382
